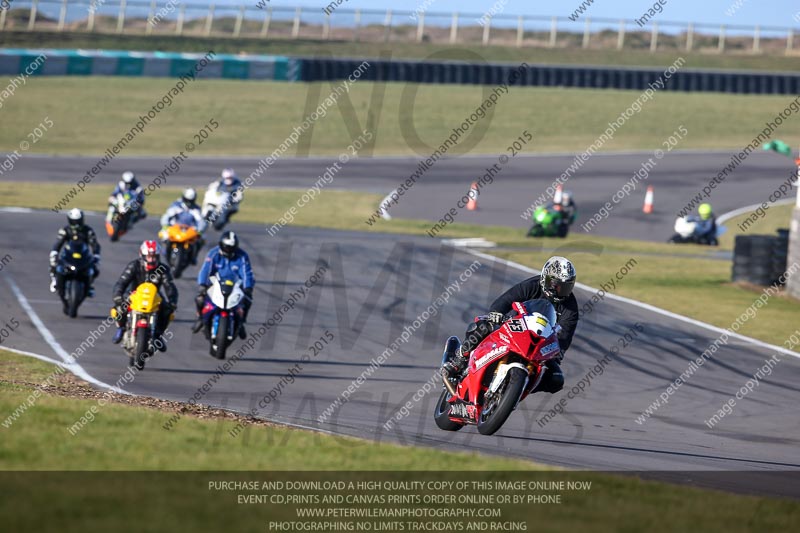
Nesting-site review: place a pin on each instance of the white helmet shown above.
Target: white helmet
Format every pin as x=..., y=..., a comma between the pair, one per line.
x=189, y=196
x=75, y=217
x=228, y=175
x=128, y=177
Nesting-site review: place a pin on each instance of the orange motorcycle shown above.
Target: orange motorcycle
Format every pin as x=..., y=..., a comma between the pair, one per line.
x=181, y=248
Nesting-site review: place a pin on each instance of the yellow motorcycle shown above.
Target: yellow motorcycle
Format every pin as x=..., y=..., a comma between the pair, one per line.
x=140, y=339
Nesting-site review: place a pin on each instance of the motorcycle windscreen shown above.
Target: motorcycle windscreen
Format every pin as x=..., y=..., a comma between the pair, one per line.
x=540, y=317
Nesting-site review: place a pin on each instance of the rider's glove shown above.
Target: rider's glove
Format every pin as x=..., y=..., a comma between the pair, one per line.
x=495, y=317
x=53, y=258
x=97, y=260
x=118, y=300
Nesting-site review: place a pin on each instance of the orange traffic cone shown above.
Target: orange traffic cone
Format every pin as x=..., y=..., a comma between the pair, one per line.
x=558, y=195
x=472, y=204
x=648, y=201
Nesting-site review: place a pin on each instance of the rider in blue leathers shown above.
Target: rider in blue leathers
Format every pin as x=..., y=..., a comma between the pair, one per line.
x=228, y=261
x=186, y=211
x=131, y=185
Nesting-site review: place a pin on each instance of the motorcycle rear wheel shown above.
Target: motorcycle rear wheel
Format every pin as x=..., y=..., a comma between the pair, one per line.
x=440, y=414
x=500, y=411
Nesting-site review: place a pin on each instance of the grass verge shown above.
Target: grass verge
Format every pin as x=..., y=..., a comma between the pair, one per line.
x=130, y=438
x=92, y=114
x=676, y=278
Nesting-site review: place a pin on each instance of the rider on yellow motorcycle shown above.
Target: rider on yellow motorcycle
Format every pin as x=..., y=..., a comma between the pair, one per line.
x=147, y=268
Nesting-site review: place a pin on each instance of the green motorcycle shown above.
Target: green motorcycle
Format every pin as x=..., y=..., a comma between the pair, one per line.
x=549, y=222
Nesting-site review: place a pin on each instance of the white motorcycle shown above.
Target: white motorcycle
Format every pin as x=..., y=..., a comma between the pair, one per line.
x=686, y=231
x=223, y=313
x=218, y=206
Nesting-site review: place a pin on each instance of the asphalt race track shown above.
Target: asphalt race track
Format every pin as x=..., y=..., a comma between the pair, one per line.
x=373, y=287
x=676, y=178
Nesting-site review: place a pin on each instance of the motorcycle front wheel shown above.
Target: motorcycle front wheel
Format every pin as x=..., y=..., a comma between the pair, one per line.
x=440, y=414
x=219, y=343
x=497, y=409
x=141, y=348
x=74, y=294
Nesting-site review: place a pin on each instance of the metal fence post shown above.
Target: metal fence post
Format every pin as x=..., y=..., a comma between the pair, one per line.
x=32, y=19
x=237, y=27
x=387, y=26
x=721, y=43
x=621, y=35
x=121, y=16
x=3, y=19
x=587, y=28
x=654, y=37
x=326, y=26
x=793, y=281
x=357, y=17
x=62, y=15
x=90, y=20
x=487, y=28
x=179, y=24
x=789, y=40
x=151, y=17
x=553, y=32
x=520, y=31
x=296, y=24
x=454, y=29
x=209, y=19
x=689, y=37
x=756, y=39
x=420, y=27
x=267, y=19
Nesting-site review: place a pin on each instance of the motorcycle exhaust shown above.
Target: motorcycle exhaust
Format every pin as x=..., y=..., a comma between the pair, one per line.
x=447, y=384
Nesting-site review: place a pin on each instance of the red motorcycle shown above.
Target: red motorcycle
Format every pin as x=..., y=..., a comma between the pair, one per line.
x=502, y=370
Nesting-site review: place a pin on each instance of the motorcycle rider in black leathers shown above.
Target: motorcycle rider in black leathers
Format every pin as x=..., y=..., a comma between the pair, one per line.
x=555, y=284
x=146, y=268
x=76, y=230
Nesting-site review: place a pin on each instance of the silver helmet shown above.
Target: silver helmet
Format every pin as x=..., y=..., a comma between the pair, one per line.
x=558, y=278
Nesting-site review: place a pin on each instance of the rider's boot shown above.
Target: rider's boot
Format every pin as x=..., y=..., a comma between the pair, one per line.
x=198, y=325
x=242, y=332
x=52, y=283
x=118, y=335
x=454, y=361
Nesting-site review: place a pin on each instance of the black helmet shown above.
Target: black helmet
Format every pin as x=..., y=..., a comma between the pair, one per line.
x=228, y=244
x=75, y=218
x=557, y=279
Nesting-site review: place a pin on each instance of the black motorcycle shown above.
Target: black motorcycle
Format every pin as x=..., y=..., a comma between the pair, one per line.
x=74, y=273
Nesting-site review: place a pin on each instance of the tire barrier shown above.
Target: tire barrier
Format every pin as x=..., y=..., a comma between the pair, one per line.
x=587, y=77
x=261, y=67
x=761, y=259
x=14, y=61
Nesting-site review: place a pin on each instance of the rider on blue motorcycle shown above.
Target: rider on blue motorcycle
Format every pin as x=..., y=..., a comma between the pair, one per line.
x=74, y=231
x=227, y=261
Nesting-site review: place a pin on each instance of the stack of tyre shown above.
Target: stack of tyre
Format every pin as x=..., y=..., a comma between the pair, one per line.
x=760, y=259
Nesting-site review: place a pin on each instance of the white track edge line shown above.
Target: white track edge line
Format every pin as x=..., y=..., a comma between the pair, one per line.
x=643, y=305
x=69, y=361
